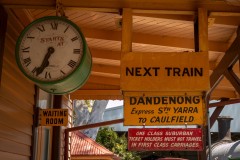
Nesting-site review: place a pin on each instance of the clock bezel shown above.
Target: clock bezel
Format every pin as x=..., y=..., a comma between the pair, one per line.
x=40, y=20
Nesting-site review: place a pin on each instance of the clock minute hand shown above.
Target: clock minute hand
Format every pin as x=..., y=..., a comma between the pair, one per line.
x=45, y=61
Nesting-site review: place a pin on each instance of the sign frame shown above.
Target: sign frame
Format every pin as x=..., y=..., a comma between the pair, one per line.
x=165, y=71
x=162, y=139
x=156, y=109
x=53, y=117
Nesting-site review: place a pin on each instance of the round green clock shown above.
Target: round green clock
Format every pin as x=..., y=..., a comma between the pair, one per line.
x=53, y=53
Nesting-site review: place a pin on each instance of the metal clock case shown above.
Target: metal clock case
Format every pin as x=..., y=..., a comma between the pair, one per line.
x=53, y=53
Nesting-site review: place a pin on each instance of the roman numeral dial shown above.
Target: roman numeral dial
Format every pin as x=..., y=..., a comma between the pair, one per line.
x=53, y=53
x=50, y=49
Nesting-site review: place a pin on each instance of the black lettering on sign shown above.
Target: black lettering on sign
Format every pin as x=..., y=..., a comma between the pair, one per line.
x=171, y=119
x=185, y=109
x=30, y=37
x=142, y=120
x=74, y=39
x=54, y=121
x=41, y=28
x=48, y=75
x=76, y=51
x=147, y=72
x=142, y=71
x=164, y=100
x=54, y=113
x=163, y=109
x=66, y=29
x=25, y=49
x=72, y=63
x=141, y=111
x=181, y=72
x=54, y=25
x=62, y=72
x=34, y=70
x=27, y=61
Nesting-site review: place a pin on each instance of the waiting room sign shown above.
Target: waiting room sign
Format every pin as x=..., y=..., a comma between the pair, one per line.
x=53, y=117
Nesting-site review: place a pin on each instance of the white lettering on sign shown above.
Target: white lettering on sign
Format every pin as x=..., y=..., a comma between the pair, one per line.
x=179, y=133
x=136, y=138
x=155, y=133
x=153, y=138
x=184, y=145
x=165, y=139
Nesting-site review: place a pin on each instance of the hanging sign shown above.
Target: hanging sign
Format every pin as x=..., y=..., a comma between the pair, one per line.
x=53, y=117
x=156, y=139
x=154, y=108
x=186, y=71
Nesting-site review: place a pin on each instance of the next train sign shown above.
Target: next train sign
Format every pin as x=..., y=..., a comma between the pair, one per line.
x=185, y=71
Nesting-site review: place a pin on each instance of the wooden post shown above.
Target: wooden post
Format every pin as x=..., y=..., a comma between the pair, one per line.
x=127, y=30
x=66, y=148
x=3, y=29
x=217, y=112
x=202, y=45
x=126, y=45
x=56, y=140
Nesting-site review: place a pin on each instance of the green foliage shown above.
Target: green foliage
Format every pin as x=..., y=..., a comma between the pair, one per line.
x=89, y=103
x=110, y=139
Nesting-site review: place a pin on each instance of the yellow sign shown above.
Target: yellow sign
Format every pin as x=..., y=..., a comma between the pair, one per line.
x=186, y=71
x=53, y=117
x=154, y=109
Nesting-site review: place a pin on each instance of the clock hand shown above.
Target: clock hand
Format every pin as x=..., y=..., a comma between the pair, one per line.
x=45, y=61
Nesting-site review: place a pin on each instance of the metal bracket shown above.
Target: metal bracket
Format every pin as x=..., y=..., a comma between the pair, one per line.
x=60, y=9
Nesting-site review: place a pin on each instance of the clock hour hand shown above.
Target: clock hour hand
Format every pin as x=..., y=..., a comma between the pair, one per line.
x=45, y=61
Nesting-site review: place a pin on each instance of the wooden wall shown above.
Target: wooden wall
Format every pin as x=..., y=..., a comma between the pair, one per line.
x=16, y=101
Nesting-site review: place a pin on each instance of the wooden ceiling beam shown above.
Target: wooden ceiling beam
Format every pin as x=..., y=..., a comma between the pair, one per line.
x=106, y=68
x=228, y=60
x=103, y=80
x=218, y=94
x=152, y=39
x=232, y=77
x=96, y=94
x=96, y=86
x=224, y=103
x=217, y=112
x=221, y=18
x=116, y=94
x=105, y=54
x=183, y=5
x=167, y=16
x=225, y=18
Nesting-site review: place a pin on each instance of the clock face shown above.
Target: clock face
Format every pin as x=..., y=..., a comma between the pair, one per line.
x=49, y=49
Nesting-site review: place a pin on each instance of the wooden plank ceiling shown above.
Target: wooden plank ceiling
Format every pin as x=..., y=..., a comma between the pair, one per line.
x=158, y=26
